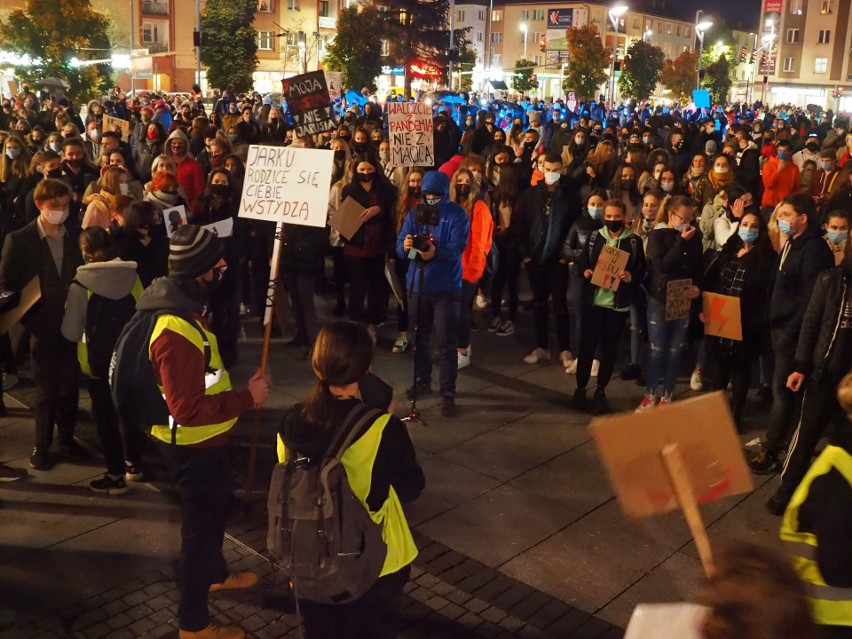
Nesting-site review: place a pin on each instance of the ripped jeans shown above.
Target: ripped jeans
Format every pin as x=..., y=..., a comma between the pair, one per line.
x=666, y=339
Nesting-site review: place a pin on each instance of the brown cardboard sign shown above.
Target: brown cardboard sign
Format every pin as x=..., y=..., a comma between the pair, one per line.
x=118, y=125
x=611, y=263
x=30, y=294
x=346, y=220
x=722, y=316
x=678, y=301
x=632, y=445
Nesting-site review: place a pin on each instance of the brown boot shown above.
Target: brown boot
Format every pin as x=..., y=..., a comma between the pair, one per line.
x=236, y=581
x=214, y=631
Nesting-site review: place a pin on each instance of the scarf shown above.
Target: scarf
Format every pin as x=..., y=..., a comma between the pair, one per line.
x=720, y=180
x=162, y=199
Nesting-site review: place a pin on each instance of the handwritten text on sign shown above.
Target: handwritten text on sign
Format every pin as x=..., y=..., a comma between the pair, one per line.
x=678, y=301
x=410, y=130
x=287, y=184
x=308, y=103
x=611, y=264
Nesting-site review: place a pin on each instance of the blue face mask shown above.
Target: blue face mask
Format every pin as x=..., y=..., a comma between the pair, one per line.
x=783, y=155
x=680, y=228
x=784, y=227
x=826, y=166
x=596, y=212
x=837, y=237
x=748, y=235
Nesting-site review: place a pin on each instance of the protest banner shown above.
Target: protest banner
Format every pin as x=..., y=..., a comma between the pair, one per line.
x=30, y=294
x=722, y=316
x=334, y=82
x=222, y=228
x=111, y=123
x=681, y=455
x=309, y=103
x=678, y=301
x=173, y=218
x=287, y=184
x=410, y=134
x=666, y=621
x=346, y=220
x=611, y=263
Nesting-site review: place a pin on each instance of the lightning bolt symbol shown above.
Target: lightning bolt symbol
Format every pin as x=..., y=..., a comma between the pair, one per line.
x=716, y=313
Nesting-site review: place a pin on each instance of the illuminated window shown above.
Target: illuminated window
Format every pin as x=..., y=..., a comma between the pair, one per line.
x=497, y=15
x=821, y=65
x=796, y=7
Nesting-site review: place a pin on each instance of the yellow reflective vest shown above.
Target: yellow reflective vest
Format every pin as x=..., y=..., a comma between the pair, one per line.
x=358, y=461
x=831, y=606
x=216, y=380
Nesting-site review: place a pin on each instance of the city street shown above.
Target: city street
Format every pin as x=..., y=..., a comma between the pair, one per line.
x=519, y=530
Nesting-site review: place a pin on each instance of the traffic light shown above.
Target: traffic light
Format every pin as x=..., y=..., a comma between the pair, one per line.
x=743, y=55
x=753, y=56
x=542, y=42
x=838, y=92
x=533, y=81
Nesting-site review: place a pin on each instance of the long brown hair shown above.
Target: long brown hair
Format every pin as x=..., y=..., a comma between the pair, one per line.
x=402, y=201
x=342, y=355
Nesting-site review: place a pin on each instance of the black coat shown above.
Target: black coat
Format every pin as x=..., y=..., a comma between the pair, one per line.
x=670, y=257
x=629, y=242
x=578, y=237
x=822, y=321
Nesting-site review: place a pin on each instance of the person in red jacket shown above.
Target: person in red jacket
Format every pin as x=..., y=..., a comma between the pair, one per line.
x=189, y=173
x=780, y=176
x=463, y=193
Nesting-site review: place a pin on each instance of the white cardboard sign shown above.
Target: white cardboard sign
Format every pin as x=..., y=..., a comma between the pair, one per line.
x=411, y=134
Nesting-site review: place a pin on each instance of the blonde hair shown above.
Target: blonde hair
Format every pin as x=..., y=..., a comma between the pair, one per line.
x=17, y=167
x=670, y=203
x=470, y=200
x=111, y=180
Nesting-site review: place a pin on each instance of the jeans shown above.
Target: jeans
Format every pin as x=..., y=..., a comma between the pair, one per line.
x=106, y=420
x=366, y=280
x=601, y=331
x=300, y=287
x=576, y=284
x=225, y=306
x=56, y=373
x=506, y=276
x=734, y=365
x=441, y=312
x=468, y=293
x=666, y=346
x=203, y=479
x=638, y=325
x=784, y=401
x=550, y=281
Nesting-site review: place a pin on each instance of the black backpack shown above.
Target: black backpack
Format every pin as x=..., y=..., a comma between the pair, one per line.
x=135, y=393
x=105, y=319
x=319, y=533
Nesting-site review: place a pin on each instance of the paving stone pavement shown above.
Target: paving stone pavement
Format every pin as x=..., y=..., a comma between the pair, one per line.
x=518, y=530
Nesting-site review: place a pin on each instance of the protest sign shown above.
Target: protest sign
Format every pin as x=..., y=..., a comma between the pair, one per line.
x=666, y=621
x=334, y=81
x=173, y=218
x=111, y=123
x=222, y=228
x=346, y=220
x=611, y=263
x=678, y=301
x=395, y=283
x=410, y=134
x=287, y=184
x=30, y=294
x=722, y=316
x=701, y=98
x=309, y=103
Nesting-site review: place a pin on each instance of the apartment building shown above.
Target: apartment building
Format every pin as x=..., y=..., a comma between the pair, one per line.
x=809, y=46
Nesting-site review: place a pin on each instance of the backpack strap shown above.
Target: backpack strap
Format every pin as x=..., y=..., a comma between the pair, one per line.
x=360, y=415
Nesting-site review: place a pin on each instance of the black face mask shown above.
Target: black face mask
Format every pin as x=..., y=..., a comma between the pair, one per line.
x=55, y=174
x=215, y=284
x=626, y=184
x=812, y=147
x=415, y=191
x=222, y=190
x=462, y=191
x=614, y=226
x=359, y=147
x=529, y=146
x=339, y=155
x=365, y=177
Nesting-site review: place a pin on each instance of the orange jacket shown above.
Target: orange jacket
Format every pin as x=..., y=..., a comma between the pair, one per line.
x=778, y=184
x=478, y=243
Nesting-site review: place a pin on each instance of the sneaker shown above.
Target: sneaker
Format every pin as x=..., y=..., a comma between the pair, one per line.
x=579, y=401
x=665, y=400
x=400, y=345
x=463, y=358
x=764, y=463
x=245, y=311
x=112, y=485
x=480, y=301
x=506, y=328
x=599, y=403
x=237, y=581
x=213, y=631
x=631, y=371
x=448, y=406
x=777, y=504
x=7, y=473
x=495, y=324
x=132, y=472
x=596, y=365
x=38, y=459
x=538, y=355
x=73, y=451
x=648, y=402
x=696, y=382
x=565, y=357
x=423, y=388
x=571, y=369
x=10, y=381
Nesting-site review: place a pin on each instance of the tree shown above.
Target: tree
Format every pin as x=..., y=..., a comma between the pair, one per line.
x=641, y=69
x=679, y=76
x=587, y=61
x=522, y=80
x=356, y=50
x=717, y=80
x=51, y=33
x=229, y=50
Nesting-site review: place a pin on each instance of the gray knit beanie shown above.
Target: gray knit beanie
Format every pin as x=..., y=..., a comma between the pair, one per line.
x=193, y=251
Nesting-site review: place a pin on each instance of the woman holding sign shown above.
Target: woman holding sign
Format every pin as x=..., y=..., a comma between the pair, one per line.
x=674, y=263
x=613, y=265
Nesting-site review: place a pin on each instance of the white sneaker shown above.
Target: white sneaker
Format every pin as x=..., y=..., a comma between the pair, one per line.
x=565, y=357
x=648, y=402
x=400, y=345
x=595, y=367
x=571, y=368
x=480, y=301
x=495, y=324
x=464, y=358
x=538, y=355
x=696, y=383
x=9, y=381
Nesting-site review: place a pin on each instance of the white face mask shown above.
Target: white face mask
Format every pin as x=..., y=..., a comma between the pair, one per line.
x=721, y=169
x=56, y=217
x=124, y=189
x=551, y=178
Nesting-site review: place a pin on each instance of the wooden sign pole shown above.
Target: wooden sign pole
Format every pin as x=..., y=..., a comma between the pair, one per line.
x=264, y=355
x=676, y=468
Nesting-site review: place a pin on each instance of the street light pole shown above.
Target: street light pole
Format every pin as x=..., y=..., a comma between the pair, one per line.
x=452, y=41
x=132, y=44
x=614, y=14
x=524, y=30
x=700, y=27
x=198, y=48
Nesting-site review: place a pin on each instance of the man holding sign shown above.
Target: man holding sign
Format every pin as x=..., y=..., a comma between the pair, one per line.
x=619, y=265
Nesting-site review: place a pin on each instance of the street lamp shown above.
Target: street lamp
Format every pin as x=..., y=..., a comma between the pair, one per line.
x=614, y=14
x=700, y=27
x=524, y=31
x=648, y=33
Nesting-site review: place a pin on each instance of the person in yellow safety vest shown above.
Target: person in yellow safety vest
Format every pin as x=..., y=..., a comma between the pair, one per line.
x=817, y=529
x=116, y=287
x=382, y=469
x=203, y=408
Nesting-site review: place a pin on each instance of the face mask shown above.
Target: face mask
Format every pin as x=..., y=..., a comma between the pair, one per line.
x=462, y=191
x=365, y=177
x=551, y=178
x=626, y=184
x=232, y=137
x=124, y=189
x=668, y=187
x=339, y=155
x=529, y=146
x=56, y=147
x=222, y=190
x=153, y=135
x=359, y=147
x=748, y=235
x=785, y=227
x=812, y=147
x=837, y=237
x=37, y=140
x=579, y=141
x=415, y=191
x=55, y=174
x=595, y=212
x=385, y=156
x=56, y=217
x=95, y=134
x=614, y=226
x=648, y=225
x=680, y=228
x=783, y=155
x=431, y=200
x=216, y=283
x=678, y=145
x=721, y=169
x=646, y=139
x=13, y=154
x=826, y=166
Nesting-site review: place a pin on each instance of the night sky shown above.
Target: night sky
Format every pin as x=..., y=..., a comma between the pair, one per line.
x=739, y=14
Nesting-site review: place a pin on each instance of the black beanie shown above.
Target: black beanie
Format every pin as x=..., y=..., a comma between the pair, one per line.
x=193, y=251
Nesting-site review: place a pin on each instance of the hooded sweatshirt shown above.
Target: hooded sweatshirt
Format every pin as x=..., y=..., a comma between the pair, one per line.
x=189, y=173
x=443, y=273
